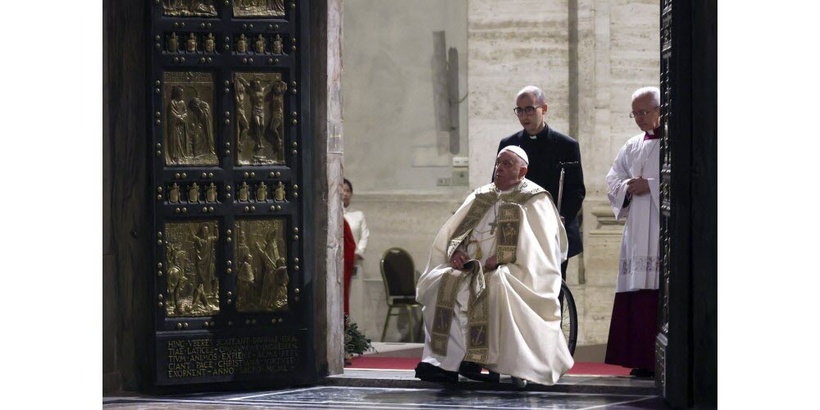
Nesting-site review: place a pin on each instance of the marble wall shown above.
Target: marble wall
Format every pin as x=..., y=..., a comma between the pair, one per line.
x=400, y=61
x=587, y=55
x=409, y=221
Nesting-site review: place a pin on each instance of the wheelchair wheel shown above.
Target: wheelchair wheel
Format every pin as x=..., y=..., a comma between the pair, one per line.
x=569, y=317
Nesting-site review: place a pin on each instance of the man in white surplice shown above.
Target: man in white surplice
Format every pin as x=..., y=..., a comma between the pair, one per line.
x=490, y=288
x=633, y=189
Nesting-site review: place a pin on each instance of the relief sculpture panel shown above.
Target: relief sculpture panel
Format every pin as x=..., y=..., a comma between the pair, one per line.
x=259, y=8
x=261, y=254
x=188, y=99
x=190, y=255
x=186, y=8
x=260, y=124
x=226, y=158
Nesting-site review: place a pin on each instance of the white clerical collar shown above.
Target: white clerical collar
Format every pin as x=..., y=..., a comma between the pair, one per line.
x=532, y=137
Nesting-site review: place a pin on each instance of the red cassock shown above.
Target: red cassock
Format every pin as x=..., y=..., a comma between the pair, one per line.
x=349, y=262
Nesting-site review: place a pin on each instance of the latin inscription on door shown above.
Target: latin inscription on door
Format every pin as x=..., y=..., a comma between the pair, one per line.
x=225, y=358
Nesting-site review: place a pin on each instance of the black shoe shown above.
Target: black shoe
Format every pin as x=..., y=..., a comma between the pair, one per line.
x=472, y=370
x=429, y=373
x=642, y=373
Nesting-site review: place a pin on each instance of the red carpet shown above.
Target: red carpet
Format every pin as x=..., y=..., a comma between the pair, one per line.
x=409, y=363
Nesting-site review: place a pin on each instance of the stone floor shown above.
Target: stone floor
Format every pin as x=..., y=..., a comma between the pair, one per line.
x=399, y=389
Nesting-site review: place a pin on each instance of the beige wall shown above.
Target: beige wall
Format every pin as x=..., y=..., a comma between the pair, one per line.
x=392, y=146
x=396, y=109
x=513, y=44
x=397, y=135
x=408, y=221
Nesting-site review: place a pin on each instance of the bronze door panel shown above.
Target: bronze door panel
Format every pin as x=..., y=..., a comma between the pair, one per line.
x=227, y=159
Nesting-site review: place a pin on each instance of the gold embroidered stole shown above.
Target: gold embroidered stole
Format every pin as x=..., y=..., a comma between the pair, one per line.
x=508, y=225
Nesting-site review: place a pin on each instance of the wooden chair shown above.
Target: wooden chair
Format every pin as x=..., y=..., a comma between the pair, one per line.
x=399, y=275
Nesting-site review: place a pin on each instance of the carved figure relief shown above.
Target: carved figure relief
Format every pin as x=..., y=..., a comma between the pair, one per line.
x=242, y=44
x=177, y=128
x=177, y=262
x=210, y=193
x=246, y=291
x=258, y=8
x=173, y=194
x=277, y=126
x=190, y=255
x=279, y=192
x=173, y=43
x=241, y=249
x=242, y=125
x=205, y=252
x=210, y=43
x=246, y=299
x=263, y=275
x=276, y=48
x=185, y=8
x=202, y=127
x=259, y=46
x=260, y=118
x=190, y=44
x=262, y=192
x=193, y=193
x=280, y=297
x=189, y=125
x=243, y=192
x=272, y=262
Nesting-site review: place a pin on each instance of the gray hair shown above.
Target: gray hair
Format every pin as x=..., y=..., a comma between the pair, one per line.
x=535, y=92
x=655, y=92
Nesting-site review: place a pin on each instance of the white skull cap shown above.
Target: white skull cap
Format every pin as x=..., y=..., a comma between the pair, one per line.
x=517, y=151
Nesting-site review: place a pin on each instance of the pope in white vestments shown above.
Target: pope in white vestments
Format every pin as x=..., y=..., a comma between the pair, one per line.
x=490, y=288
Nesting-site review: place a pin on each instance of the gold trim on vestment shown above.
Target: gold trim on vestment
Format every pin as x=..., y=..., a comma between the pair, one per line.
x=509, y=222
x=485, y=197
x=478, y=319
x=447, y=292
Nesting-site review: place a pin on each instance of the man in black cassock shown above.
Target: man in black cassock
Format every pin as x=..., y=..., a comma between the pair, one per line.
x=548, y=149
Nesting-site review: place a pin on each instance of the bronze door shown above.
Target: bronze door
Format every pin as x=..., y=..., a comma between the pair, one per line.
x=228, y=106
x=686, y=343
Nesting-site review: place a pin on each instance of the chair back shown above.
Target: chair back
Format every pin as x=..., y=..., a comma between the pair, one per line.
x=398, y=273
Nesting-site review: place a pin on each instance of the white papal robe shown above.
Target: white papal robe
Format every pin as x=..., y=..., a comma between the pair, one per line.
x=638, y=267
x=525, y=339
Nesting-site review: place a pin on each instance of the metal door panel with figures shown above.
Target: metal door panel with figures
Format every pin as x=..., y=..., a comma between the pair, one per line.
x=228, y=157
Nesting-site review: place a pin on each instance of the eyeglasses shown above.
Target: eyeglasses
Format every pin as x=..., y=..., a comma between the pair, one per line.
x=526, y=110
x=641, y=113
